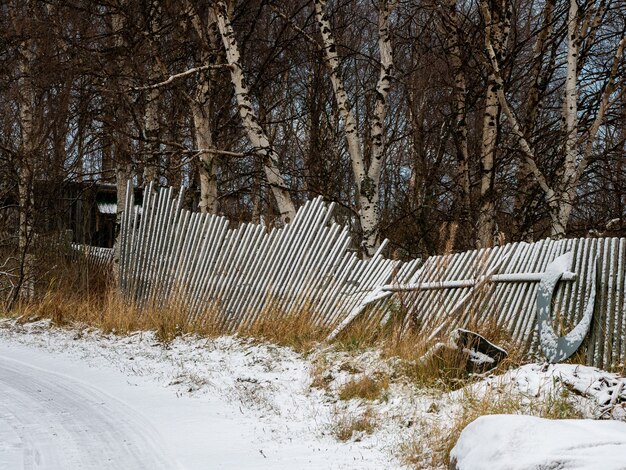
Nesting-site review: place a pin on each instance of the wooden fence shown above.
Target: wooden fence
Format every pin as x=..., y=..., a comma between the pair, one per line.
x=506, y=299
x=169, y=255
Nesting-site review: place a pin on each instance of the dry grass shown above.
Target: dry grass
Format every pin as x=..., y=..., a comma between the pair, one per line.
x=447, y=369
x=73, y=293
x=365, y=388
x=360, y=335
x=347, y=425
x=296, y=329
x=320, y=377
x=105, y=310
x=112, y=315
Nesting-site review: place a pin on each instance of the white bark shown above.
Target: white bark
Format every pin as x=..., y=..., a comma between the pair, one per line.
x=19, y=13
x=565, y=190
x=177, y=76
x=26, y=54
x=122, y=156
x=561, y=194
x=204, y=140
x=255, y=133
x=201, y=107
x=535, y=96
x=496, y=34
x=366, y=178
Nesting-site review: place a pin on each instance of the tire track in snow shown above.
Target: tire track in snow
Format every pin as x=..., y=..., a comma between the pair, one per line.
x=52, y=422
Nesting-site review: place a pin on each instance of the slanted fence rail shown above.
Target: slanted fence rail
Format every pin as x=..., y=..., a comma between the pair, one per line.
x=94, y=257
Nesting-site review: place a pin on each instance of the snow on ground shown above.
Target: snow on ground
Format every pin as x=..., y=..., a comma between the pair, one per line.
x=234, y=403
x=52, y=421
x=510, y=442
x=595, y=393
x=223, y=403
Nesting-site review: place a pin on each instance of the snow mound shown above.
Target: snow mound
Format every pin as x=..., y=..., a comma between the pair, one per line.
x=515, y=442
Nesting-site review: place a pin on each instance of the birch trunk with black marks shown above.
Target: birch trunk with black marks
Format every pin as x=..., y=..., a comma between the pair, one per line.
x=497, y=32
x=539, y=75
x=367, y=178
x=201, y=109
x=26, y=284
x=122, y=143
x=151, y=126
x=257, y=136
x=576, y=161
x=560, y=195
x=204, y=140
x=123, y=160
x=561, y=207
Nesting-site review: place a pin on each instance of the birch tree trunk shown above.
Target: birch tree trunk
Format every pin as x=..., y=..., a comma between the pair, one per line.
x=204, y=141
x=561, y=193
x=151, y=122
x=151, y=126
x=255, y=133
x=20, y=13
x=369, y=190
x=201, y=108
x=523, y=207
x=367, y=179
x=497, y=33
x=123, y=160
x=561, y=207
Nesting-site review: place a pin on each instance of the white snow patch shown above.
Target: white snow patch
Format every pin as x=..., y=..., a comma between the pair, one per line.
x=514, y=442
x=223, y=403
x=234, y=403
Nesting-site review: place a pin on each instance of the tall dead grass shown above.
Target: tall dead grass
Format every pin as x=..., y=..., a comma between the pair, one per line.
x=295, y=329
x=102, y=308
x=445, y=370
x=111, y=314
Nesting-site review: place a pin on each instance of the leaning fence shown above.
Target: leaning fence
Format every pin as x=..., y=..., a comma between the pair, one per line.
x=498, y=286
x=93, y=257
x=169, y=255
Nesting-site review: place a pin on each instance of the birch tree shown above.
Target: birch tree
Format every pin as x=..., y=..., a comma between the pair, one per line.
x=27, y=159
x=578, y=143
x=366, y=176
x=254, y=131
x=542, y=67
x=497, y=31
x=151, y=121
x=121, y=145
x=201, y=103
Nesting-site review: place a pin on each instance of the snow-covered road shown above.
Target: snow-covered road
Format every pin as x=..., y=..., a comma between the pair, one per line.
x=82, y=400
x=52, y=421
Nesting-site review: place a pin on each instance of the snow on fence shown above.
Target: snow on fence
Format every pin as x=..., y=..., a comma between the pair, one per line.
x=169, y=255
x=498, y=286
